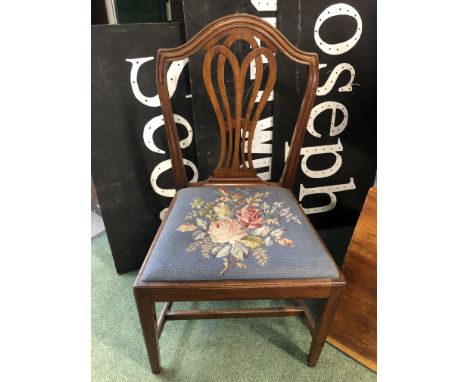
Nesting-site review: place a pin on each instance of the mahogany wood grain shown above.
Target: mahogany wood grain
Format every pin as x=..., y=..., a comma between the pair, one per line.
x=235, y=168
x=147, y=314
x=233, y=313
x=239, y=289
x=325, y=318
x=162, y=317
x=308, y=319
x=354, y=329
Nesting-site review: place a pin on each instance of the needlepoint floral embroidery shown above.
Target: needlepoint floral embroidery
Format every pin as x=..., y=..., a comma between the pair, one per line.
x=235, y=226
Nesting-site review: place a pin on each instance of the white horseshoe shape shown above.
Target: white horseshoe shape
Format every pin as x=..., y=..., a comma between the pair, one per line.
x=173, y=74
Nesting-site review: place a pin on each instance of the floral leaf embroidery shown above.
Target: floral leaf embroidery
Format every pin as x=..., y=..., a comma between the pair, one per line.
x=197, y=202
x=198, y=235
x=252, y=241
x=225, y=266
x=206, y=247
x=222, y=210
x=194, y=246
x=236, y=226
x=201, y=223
x=262, y=231
x=239, y=251
x=224, y=251
x=261, y=256
x=186, y=227
x=237, y=197
x=215, y=250
x=285, y=242
x=278, y=233
x=272, y=221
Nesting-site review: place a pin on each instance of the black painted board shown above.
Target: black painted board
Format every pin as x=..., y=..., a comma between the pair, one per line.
x=140, y=11
x=337, y=240
x=128, y=139
x=344, y=163
x=177, y=11
x=197, y=14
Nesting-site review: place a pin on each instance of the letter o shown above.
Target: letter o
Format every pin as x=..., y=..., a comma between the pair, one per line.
x=336, y=10
x=164, y=166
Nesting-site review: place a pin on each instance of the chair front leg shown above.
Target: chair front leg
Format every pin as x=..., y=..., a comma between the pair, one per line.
x=147, y=313
x=324, y=320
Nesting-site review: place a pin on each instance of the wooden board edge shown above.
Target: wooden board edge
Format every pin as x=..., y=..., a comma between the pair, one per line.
x=370, y=364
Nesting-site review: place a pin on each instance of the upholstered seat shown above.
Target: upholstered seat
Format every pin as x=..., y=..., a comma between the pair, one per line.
x=230, y=233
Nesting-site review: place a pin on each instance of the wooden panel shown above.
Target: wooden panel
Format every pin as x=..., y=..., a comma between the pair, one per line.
x=354, y=328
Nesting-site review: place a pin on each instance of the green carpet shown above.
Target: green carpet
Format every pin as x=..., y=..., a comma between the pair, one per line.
x=267, y=349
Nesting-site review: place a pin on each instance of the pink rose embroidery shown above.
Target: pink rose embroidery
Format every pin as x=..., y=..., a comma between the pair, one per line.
x=226, y=230
x=249, y=217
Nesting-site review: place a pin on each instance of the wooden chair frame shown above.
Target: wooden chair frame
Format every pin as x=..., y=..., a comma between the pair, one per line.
x=235, y=169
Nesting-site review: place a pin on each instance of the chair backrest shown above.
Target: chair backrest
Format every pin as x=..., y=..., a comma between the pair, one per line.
x=236, y=122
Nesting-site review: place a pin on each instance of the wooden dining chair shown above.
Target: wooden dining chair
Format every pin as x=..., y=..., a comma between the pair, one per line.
x=236, y=236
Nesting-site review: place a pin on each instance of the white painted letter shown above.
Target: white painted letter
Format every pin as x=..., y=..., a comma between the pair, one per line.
x=335, y=10
x=164, y=166
x=334, y=130
x=260, y=147
x=330, y=190
x=331, y=81
x=158, y=121
x=325, y=149
x=173, y=73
